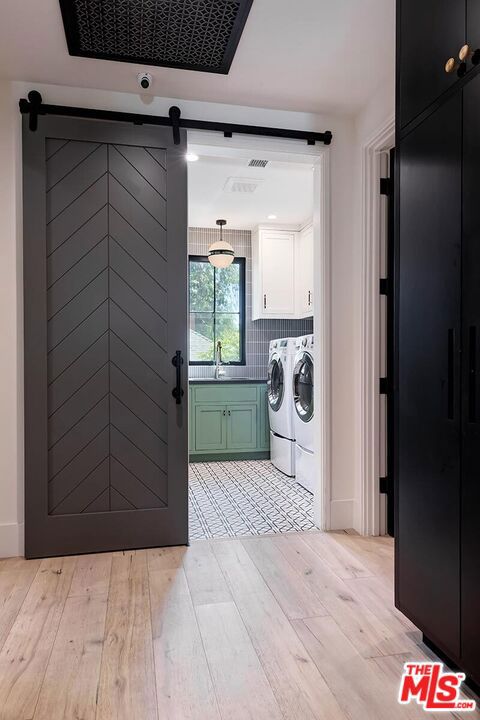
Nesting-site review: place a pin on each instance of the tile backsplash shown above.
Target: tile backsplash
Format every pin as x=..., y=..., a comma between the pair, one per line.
x=258, y=333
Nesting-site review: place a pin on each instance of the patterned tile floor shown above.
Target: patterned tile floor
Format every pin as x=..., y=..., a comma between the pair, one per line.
x=249, y=497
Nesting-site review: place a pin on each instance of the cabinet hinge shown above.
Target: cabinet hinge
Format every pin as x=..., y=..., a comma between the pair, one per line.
x=384, y=386
x=384, y=286
x=386, y=186
x=384, y=485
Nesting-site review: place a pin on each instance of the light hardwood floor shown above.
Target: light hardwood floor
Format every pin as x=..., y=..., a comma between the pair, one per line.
x=296, y=627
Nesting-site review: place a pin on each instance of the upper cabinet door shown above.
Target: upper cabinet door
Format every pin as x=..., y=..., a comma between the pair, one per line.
x=429, y=33
x=304, y=272
x=277, y=258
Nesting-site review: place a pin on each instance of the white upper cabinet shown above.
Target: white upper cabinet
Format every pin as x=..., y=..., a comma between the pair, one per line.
x=304, y=272
x=273, y=273
x=282, y=273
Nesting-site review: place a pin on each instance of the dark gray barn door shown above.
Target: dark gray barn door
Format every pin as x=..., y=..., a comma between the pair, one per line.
x=105, y=311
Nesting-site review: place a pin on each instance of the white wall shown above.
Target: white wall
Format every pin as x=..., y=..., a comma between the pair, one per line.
x=344, y=283
x=11, y=309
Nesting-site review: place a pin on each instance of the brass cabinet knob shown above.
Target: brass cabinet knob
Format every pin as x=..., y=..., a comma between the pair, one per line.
x=465, y=53
x=451, y=65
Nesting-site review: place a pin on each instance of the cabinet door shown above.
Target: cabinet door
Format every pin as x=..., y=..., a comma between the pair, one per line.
x=428, y=485
x=210, y=427
x=429, y=32
x=471, y=383
x=304, y=272
x=277, y=250
x=242, y=427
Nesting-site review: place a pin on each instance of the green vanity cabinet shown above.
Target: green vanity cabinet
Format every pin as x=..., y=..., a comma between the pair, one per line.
x=228, y=421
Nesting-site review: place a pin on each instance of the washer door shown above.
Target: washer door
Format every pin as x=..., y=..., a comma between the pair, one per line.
x=275, y=383
x=303, y=387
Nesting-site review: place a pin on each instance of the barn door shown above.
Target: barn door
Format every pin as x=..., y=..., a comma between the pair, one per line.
x=105, y=221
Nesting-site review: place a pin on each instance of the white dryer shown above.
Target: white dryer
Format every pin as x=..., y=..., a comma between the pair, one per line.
x=280, y=404
x=304, y=416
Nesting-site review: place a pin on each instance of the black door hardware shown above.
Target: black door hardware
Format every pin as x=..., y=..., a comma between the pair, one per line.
x=177, y=391
x=35, y=106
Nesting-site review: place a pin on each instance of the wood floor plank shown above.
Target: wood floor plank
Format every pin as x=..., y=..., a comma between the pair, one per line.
x=14, y=586
x=370, y=635
x=377, y=594
x=339, y=559
x=92, y=575
x=16, y=563
x=184, y=685
x=127, y=677
x=291, y=592
x=299, y=688
x=242, y=689
x=167, y=558
x=358, y=689
x=375, y=553
x=69, y=689
x=26, y=652
x=205, y=579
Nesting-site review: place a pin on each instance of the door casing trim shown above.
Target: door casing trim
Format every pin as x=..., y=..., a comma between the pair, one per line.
x=369, y=501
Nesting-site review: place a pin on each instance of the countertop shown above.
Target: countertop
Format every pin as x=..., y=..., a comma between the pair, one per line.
x=227, y=381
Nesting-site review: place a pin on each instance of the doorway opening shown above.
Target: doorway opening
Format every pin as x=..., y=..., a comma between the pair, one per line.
x=257, y=443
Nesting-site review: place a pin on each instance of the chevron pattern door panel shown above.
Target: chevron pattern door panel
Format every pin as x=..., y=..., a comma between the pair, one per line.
x=109, y=375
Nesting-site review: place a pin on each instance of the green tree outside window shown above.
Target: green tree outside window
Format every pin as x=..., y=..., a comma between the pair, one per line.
x=217, y=311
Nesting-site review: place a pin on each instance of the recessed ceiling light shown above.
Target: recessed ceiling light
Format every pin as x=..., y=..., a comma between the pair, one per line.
x=191, y=157
x=272, y=217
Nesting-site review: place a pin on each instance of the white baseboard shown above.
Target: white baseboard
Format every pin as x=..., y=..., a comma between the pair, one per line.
x=342, y=514
x=12, y=540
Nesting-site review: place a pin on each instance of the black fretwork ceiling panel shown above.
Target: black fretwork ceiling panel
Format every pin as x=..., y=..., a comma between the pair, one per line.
x=189, y=34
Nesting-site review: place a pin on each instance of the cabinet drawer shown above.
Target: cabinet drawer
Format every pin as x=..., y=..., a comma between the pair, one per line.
x=225, y=394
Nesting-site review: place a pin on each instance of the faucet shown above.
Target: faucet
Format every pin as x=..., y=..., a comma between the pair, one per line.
x=219, y=372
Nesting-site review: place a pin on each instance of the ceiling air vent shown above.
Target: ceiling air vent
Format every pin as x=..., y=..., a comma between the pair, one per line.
x=258, y=163
x=186, y=34
x=241, y=185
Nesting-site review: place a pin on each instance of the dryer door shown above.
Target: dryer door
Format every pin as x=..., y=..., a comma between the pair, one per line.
x=303, y=386
x=275, y=383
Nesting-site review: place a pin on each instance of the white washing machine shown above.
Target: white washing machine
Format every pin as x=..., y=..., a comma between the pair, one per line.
x=303, y=414
x=280, y=404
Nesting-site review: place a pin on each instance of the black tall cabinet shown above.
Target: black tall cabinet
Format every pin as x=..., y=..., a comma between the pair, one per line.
x=438, y=325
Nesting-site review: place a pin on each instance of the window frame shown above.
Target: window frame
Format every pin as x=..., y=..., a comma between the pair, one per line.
x=241, y=262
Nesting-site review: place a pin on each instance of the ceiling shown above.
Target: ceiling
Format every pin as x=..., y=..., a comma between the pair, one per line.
x=218, y=187
x=307, y=55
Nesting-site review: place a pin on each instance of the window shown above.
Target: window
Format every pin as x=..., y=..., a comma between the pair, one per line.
x=217, y=311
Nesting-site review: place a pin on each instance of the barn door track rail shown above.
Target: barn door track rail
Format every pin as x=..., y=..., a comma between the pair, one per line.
x=35, y=106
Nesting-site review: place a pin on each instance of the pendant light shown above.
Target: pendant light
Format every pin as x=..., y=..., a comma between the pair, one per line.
x=221, y=253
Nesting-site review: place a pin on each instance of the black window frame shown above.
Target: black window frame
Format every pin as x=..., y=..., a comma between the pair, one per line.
x=241, y=262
